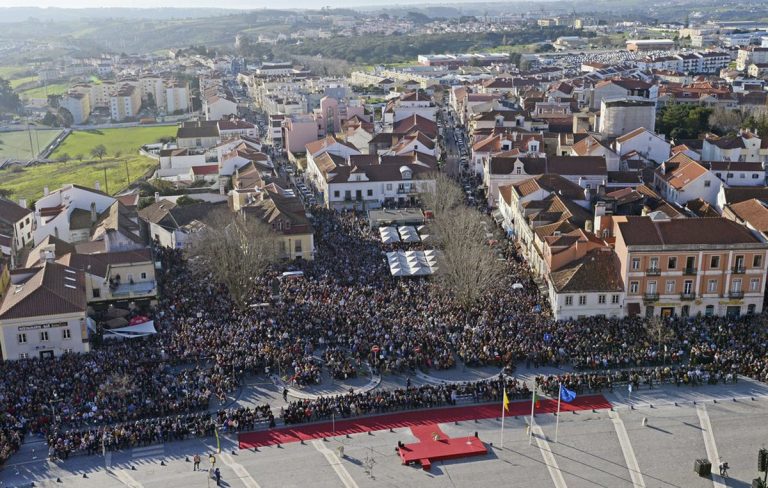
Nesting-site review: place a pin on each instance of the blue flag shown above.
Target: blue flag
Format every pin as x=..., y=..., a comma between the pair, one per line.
x=567, y=395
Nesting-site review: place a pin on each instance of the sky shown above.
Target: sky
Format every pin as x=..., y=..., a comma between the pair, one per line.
x=230, y=4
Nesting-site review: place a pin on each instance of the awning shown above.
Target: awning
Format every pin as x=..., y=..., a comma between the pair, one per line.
x=132, y=331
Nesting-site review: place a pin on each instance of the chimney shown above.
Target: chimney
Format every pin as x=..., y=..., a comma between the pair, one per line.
x=157, y=196
x=97, y=185
x=45, y=191
x=23, y=202
x=93, y=212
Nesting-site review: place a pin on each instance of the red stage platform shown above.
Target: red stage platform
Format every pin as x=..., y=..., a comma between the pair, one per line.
x=361, y=425
x=434, y=445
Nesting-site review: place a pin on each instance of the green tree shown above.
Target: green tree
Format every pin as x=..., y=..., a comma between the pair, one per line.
x=680, y=121
x=99, y=151
x=9, y=100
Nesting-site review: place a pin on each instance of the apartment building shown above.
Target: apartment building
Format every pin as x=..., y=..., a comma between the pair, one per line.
x=78, y=104
x=125, y=103
x=708, y=266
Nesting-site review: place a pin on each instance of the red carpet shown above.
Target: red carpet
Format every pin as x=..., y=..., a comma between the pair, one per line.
x=411, y=418
x=434, y=445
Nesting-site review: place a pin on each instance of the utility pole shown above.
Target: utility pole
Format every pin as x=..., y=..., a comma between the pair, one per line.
x=127, y=174
x=106, y=181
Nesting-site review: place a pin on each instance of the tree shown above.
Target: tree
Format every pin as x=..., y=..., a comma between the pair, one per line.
x=659, y=332
x=99, y=151
x=64, y=158
x=54, y=101
x=80, y=157
x=446, y=197
x=468, y=268
x=235, y=250
x=682, y=121
x=9, y=99
x=5, y=193
x=726, y=121
x=118, y=153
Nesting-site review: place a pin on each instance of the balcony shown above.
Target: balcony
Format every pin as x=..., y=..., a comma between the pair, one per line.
x=738, y=269
x=736, y=294
x=653, y=271
x=687, y=296
x=689, y=271
x=651, y=297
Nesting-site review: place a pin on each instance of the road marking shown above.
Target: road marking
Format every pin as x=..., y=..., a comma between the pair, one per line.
x=335, y=463
x=629, y=453
x=127, y=479
x=239, y=470
x=709, y=444
x=549, y=457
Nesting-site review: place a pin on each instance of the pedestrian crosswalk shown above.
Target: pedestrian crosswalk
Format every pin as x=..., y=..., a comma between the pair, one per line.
x=149, y=451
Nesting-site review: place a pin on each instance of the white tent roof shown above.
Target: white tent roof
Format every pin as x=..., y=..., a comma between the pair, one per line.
x=389, y=235
x=131, y=331
x=408, y=234
x=412, y=263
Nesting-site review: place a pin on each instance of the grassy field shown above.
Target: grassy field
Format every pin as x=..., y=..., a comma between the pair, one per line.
x=11, y=72
x=17, y=82
x=29, y=182
x=43, y=91
x=126, y=140
x=16, y=144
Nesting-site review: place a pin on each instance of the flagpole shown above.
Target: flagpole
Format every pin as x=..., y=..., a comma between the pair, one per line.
x=503, y=398
x=530, y=426
x=559, y=397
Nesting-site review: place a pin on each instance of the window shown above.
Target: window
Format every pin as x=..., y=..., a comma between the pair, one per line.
x=634, y=286
x=672, y=263
x=96, y=293
x=297, y=246
x=336, y=194
x=601, y=299
x=709, y=311
x=143, y=276
x=651, y=287
x=736, y=286
x=707, y=184
x=22, y=338
x=755, y=176
x=712, y=286
x=741, y=175
x=582, y=299
x=518, y=171
x=68, y=351
x=568, y=300
x=714, y=262
x=690, y=262
x=370, y=193
x=23, y=355
x=688, y=287
x=389, y=186
x=754, y=284
x=757, y=261
x=654, y=263
x=635, y=263
x=615, y=299
x=66, y=333
x=670, y=287
x=43, y=336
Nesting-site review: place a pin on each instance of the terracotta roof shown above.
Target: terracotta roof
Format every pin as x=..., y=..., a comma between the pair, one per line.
x=736, y=194
x=701, y=208
x=50, y=289
x=713, y=231
x=753, y=212
x=11, y=212
x=678, y=175
x=551, y=183
x=322, y=144
x=415, y=121
x=597, y=271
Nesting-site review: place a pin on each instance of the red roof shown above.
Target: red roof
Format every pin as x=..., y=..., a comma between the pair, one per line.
x=208, y=169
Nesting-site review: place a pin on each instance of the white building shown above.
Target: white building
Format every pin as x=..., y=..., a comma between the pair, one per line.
x=69, y=212
x=645, y=143
x=625, y=114
x=681, y=179
x=43, y=314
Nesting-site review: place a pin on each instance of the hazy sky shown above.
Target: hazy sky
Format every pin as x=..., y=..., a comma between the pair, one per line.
x=231, y=4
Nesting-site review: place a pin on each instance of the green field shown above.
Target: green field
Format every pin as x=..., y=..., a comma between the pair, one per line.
x=11, y=72
x=126, y=140
x=29, y=182
x=17, y=82
x=43, y=91
x=15, y=145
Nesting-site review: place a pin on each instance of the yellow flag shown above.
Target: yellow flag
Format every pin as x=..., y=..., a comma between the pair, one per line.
x=506, y=400
x=218, y=443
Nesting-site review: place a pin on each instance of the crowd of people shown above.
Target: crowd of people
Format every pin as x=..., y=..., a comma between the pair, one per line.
x=346, y=310
x=410, y=398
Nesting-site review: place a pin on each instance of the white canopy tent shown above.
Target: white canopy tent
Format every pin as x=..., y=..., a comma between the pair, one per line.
x=412, y=263
x=131, y=331
x=389, y=235
x=408, y=234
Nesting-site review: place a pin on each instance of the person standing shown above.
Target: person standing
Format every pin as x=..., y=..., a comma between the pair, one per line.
x=217, y=475
x=196, y=464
